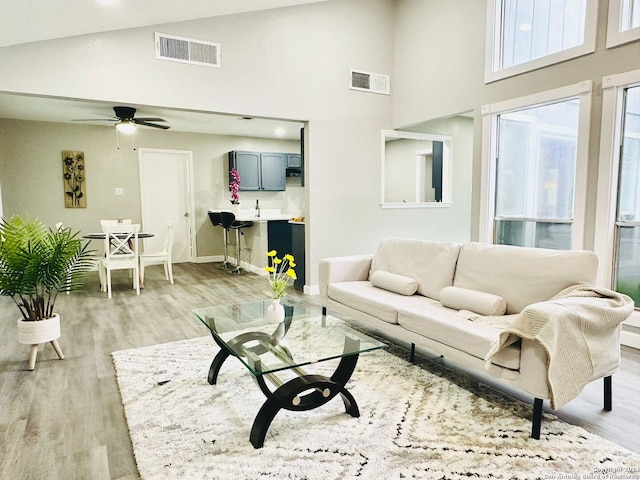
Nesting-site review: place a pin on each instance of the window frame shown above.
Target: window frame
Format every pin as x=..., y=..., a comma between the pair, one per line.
x=613, y=87
x=490, y=113
x=492, y=33
x=615, y=36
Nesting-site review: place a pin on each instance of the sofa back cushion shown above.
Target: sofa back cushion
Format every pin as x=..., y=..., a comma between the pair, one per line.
x=522, y=275
x=432, y=264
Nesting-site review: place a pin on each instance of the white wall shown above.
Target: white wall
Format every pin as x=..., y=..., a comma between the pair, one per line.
x=453, y=220
x=31, y=166
x=289, y=63
x=439, y=71
x=293, y=63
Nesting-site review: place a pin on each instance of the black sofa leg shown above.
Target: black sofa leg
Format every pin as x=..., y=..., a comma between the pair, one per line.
x=537, y=419
x=412, y=353
x=608, y=394
x=324, y=312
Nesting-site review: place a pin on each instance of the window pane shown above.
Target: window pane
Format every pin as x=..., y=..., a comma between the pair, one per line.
x=534, y=234
x=511, y=198
x=629, y=14
x=536, y=28
x=627, y=267
x=629, y=190
x=536, y=162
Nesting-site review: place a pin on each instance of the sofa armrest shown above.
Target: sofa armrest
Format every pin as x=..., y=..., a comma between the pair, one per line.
x=343, y=269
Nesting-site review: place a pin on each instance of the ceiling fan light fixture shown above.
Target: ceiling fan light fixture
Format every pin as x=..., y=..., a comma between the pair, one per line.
x=126, y=126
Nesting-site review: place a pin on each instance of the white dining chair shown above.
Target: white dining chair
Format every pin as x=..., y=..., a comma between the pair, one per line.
x=121, y=253
x=162, y=257
x=103, y=225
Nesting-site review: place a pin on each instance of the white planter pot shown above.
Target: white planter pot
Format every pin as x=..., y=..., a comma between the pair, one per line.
x=42, y=331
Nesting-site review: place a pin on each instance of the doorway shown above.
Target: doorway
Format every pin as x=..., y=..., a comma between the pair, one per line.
x=166, y=194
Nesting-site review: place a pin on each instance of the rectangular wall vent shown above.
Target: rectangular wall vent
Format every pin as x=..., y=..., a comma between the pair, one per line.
x=187, y=50
x=369, y=82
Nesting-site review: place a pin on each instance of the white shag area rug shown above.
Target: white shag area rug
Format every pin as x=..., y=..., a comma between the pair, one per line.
x=414, y=423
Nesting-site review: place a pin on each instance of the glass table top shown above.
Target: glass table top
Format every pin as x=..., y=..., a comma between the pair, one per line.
x=303, y=338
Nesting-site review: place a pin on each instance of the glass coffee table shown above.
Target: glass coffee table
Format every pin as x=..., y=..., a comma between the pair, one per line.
x=275, y=353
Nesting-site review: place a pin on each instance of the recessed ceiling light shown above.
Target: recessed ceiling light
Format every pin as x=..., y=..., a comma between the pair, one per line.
x=525, y=27
x=280, y=131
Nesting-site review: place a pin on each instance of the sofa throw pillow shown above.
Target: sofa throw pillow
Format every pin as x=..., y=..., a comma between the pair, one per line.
x=473, y=300
x=394, y=283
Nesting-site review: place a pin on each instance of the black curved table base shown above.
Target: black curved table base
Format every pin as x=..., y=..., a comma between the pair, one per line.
x=291, y=395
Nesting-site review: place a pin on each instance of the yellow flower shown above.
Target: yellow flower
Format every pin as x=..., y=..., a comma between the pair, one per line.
x=291, y=273
x=270, y=269
x=292, y=264
x=277, y=261
x=272, y=253
x=289, y=257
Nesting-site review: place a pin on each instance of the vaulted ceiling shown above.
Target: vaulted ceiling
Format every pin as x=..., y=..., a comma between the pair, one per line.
x=24, y=21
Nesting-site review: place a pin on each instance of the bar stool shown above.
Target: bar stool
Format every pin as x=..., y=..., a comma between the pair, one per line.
x=229, y=222
x=216, y=221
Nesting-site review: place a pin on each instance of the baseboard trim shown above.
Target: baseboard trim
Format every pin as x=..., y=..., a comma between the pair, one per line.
x=630, y=339
x=210, y=259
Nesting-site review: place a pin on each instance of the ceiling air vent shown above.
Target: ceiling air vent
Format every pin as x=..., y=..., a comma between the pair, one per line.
x=369, y=82
x=187, y=50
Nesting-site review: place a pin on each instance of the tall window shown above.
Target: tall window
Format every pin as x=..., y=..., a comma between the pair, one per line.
x=533, y=189
x=529, y=34
x=535, y=175
x=624, y=22
x=627, y=246
x=629, y=15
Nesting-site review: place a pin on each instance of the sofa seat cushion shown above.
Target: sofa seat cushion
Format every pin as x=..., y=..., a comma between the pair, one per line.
x=446, y=326
x=432, y=264
x=394, y=283
x=478, y=302
x=379, y=303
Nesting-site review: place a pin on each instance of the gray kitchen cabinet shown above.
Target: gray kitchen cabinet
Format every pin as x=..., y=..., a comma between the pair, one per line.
x=273, y=172
x=294, y=160
x=259, y=171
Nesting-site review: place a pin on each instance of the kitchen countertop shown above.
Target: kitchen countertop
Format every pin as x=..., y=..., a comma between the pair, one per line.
x=266, y=215
x=262, y=218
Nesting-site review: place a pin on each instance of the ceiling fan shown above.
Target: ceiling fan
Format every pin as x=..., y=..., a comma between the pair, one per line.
x=125, y=120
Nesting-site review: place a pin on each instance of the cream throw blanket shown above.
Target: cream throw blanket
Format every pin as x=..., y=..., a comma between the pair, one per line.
x=575, y=328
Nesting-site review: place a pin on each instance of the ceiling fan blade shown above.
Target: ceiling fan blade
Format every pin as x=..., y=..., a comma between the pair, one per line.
x=149, y=119
x=95, y=120
x=137, y=121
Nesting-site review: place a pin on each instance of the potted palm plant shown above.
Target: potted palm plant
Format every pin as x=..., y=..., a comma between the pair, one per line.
x=36, y=264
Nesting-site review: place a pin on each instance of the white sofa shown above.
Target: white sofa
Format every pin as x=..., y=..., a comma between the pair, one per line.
x=528, y=317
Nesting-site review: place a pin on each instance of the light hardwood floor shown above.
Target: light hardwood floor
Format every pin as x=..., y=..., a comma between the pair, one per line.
x=65, y=419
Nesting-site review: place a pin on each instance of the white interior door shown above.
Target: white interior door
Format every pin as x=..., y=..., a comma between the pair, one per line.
x=166, y=194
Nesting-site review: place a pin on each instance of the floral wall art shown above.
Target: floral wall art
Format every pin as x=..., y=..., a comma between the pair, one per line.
x=74, y=179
